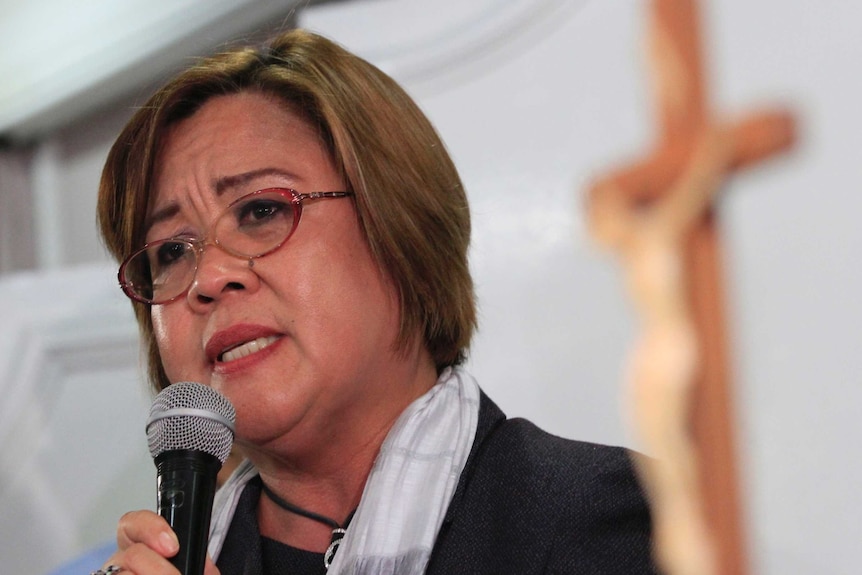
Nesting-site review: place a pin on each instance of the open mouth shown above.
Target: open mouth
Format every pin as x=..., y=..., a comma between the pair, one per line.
x=247, y=348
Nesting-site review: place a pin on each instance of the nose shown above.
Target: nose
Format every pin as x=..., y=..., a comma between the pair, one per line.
x=220, y=273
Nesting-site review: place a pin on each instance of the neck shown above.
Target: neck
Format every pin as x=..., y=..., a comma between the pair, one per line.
x=332, y=498
x=329, y=480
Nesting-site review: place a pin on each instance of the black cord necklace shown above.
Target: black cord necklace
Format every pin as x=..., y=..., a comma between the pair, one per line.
x=338, y=530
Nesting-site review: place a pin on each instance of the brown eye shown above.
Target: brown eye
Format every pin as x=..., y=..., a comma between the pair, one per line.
x=170, y=252
x=260, y=212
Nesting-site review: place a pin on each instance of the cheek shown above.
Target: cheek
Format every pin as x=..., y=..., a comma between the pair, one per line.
x=347, y=299
x=369, y=302
x=167, y=333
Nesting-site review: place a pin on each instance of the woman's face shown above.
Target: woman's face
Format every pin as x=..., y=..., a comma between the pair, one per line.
x=317, y=315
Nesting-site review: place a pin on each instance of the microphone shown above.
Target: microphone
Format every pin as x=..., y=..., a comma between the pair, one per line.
x=190, y=433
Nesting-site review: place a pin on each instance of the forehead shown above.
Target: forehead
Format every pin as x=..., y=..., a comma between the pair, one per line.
x=232, y=135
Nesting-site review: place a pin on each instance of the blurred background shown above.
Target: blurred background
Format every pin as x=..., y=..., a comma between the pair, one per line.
x=534, y=98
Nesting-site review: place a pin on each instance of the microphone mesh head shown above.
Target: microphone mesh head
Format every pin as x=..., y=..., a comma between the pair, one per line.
x=191, y=416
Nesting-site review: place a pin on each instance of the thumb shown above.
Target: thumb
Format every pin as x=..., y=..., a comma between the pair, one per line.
x=210, y=567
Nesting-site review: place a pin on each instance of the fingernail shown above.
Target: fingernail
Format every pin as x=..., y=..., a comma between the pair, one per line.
x=170, y=541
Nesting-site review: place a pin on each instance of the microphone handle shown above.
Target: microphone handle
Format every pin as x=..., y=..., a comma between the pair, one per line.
x=186, y=485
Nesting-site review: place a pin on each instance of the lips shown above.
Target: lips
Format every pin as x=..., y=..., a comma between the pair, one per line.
x=239, y=341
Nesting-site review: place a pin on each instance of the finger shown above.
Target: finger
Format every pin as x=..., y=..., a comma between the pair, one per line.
x=210, y=567
x=141, y=559
x=149, y=529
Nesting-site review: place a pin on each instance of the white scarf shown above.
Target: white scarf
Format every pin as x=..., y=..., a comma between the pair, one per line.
x=408, y=490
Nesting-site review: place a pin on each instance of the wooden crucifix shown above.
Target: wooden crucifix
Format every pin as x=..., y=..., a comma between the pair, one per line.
x=658, y=215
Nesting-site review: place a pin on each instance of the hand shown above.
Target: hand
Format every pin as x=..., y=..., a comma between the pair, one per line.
x=145, y=545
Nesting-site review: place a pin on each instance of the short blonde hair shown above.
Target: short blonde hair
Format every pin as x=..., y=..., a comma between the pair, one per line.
x=410, y=201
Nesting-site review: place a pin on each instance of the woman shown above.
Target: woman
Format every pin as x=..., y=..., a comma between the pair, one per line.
x=337, y=339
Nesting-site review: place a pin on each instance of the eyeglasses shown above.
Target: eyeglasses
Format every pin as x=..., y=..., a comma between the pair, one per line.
x=251, y=227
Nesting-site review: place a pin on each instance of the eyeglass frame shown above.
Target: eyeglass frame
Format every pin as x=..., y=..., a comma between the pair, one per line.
x=199, y=244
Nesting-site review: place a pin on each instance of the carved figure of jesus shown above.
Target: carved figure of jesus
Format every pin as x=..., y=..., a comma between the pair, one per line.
x=649, y=238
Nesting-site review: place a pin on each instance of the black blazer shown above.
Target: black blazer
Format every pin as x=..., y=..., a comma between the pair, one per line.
x=529, y=502
x=526, y=503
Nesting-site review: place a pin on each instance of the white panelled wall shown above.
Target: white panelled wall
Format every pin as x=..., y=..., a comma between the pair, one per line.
x=533, y=97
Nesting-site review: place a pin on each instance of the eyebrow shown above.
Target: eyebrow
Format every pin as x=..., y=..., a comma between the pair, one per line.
x=221, y=185
x=161, y=215
x=227, y=182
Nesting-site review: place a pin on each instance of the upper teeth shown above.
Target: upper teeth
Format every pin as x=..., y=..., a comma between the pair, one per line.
x=248, y=348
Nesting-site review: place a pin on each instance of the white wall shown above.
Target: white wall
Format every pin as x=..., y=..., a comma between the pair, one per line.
x=533, y=98
x=71, y=418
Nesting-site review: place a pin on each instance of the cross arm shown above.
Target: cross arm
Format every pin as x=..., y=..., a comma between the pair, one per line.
x=755, y=137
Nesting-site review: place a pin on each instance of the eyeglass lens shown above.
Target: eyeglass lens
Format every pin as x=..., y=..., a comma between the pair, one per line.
x=253, y=226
